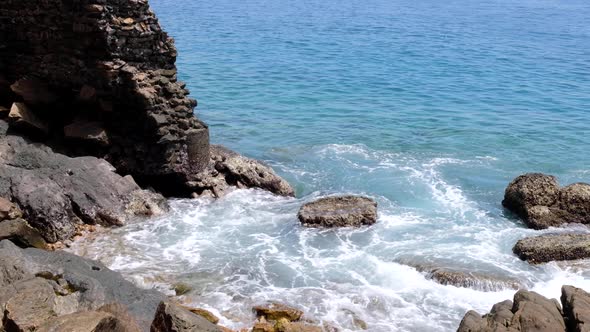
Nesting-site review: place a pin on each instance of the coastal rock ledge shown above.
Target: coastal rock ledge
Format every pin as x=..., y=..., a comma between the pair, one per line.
x=339, y=211
x=532, y=312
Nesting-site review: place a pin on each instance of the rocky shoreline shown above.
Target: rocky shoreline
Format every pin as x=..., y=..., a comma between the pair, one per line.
x=101, y=132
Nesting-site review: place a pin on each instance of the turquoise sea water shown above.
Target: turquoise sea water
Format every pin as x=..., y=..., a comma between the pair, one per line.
x=431, y=107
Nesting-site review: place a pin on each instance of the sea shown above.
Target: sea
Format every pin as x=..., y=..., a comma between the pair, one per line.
x=429, y=107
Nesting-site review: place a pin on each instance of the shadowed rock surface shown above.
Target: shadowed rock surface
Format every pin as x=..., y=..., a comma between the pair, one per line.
x=540, y=201
x=339, y=211
x=556, y=247
x=57, y=192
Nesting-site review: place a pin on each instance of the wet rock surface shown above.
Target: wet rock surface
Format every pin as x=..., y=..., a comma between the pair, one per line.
x=56, y=192
x=228, y=170
x=466, y=279
x=339, y=211
x=540, y=201
x=278, y=317
x=555, y=247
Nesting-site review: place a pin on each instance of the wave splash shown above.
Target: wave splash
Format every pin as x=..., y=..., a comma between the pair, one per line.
x=249, y=247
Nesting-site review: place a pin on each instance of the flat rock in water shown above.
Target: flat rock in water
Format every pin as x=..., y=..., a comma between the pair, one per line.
x=339, y=211
x=557, y=247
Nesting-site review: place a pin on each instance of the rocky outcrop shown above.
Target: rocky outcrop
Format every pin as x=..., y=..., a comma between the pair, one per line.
x=174, y=318
x=37, y=287
x=103, y=83
x=339, y=211
x=56, y=193
x=109, y=64
x=529, y=312
x=541, y=202
x=576, y=308
x=533, y=312
x=278, y=317
x=227, y=170
x=554, y=247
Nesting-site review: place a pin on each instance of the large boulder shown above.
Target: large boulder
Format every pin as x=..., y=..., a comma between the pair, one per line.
x=228, y=169
x=540, y=201
x=86, y=321
x=576, y=308
x=529, y=312
x=37, y=287
x=554, y=247
x=57, y=192
x=339, y=211
x=174, y=318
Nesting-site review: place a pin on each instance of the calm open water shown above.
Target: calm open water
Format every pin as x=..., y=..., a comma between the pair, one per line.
x=431, y=107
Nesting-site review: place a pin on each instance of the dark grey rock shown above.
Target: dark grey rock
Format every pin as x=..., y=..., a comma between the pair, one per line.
x=339, y=211
x=57, y=192
x=541, y=203
x=76, y=284
x=555, y=247
x=173, y=318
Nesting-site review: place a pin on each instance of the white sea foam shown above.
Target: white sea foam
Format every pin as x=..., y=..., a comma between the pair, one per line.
x=249, y=247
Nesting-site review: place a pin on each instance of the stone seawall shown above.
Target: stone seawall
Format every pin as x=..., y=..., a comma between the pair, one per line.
x=98, y=77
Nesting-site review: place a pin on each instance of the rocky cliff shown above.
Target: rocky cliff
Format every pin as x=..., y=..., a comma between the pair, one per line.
x=98, y=77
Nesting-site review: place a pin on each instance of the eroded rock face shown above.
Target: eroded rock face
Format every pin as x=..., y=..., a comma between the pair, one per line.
x=541, y=202
x=339, y=211
x=57, y=192
x=529, y=312
x=555, y=247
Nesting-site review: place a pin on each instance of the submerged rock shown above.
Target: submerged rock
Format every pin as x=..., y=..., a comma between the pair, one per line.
x=540, y=201
x=339, y=211
x=555, y=247
x=473, y=280
x=529, y=312
x=57, y=192
x=228, y=169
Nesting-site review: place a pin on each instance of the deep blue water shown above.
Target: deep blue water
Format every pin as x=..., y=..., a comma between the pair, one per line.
x=429, y=106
